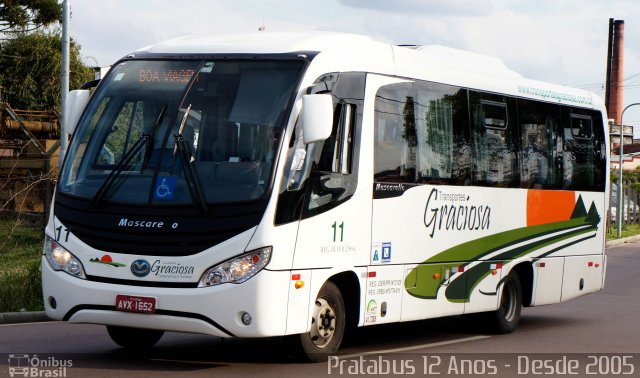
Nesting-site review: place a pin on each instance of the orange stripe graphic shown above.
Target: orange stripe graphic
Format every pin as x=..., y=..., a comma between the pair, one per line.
x=548, y=206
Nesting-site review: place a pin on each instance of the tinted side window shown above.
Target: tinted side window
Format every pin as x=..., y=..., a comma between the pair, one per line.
x=322, y=175
x=495, y=140
x=337, y=150
x=584, y=152
x=330, y=180
x=442, y=123
x=433, y=133
x=395, y=134
x=422, y=134
x=541, y=145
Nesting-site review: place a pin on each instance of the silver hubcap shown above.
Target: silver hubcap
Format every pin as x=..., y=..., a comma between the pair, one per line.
x=323, y=325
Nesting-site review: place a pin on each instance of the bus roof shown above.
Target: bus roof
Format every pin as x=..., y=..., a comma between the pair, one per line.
x=351, y=52
x=258, y=43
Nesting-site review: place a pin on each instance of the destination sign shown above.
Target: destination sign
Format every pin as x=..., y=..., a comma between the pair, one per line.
x=164, y=76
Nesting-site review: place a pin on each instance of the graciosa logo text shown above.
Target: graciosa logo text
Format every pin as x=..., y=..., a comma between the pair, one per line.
x=172, y=269
x=457, y=215
x=164, y=269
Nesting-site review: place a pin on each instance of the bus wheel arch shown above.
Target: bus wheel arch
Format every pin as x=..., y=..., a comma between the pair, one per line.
x=349, y=286
x=334, y=310
x=515, y=292
x=525, y=274
x=328, y=319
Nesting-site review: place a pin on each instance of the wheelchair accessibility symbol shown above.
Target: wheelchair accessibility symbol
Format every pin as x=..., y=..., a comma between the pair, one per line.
x=165, y=188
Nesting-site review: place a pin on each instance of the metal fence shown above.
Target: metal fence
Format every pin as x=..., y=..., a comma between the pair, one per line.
x=630, y=206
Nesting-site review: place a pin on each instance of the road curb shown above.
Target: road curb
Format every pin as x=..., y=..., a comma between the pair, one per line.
x=23, y=317
x=623, y=241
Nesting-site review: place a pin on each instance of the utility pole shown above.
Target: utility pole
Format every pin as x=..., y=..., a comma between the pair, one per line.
x=64, y=77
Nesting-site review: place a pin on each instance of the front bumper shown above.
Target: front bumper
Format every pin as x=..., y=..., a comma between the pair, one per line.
x=214, y=310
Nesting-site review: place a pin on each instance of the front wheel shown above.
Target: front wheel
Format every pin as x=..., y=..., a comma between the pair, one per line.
x=133, y=338
x=507, y=316
x=327, y=325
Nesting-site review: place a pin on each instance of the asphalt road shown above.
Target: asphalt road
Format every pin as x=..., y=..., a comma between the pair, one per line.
x=598, y=333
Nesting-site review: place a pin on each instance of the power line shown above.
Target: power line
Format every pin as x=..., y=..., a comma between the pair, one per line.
x=601, y=84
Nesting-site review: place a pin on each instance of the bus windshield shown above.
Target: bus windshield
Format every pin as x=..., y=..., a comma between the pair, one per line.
x=178, y=132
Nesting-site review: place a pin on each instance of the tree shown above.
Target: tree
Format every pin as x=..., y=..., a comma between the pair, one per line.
x=409, y=134
x=28, y=15
x=30, y=70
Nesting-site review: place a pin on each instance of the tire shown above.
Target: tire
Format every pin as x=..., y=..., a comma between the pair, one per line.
x=327, y=325
x=507, y=316
x=134, y=338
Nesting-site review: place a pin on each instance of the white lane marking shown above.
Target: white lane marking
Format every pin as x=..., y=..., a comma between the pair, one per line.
x=405, y=349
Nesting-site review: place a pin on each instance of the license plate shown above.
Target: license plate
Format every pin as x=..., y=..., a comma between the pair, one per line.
x=130, y=303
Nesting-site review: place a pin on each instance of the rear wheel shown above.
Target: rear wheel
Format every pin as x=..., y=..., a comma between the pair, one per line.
x=507, y=316
x=327, y=325
x=134, y=337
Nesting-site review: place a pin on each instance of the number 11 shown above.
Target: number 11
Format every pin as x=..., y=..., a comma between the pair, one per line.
x=335, y=227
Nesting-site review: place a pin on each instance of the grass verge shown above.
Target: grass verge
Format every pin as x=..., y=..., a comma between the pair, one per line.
x=20, y=253
x=627, y=230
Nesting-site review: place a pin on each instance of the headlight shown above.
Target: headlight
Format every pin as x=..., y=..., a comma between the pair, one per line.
x=61, y=259
x=238, y=269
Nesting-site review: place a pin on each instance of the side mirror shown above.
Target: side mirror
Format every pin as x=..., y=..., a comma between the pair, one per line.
x=317, y=117
x=76, y=102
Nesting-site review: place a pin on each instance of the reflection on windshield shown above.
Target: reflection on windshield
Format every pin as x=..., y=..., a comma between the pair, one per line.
x=227, y=117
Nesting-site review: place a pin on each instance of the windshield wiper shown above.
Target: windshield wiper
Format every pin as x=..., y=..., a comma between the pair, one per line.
x=180, y=130
x=147, y=155
x=126, y=159
x=190, y=175
x=124, y=162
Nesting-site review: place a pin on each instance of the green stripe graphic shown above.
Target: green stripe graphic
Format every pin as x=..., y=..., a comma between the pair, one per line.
x=425, y=280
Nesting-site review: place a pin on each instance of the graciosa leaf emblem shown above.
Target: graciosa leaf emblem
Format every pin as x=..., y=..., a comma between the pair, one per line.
x=107, y=260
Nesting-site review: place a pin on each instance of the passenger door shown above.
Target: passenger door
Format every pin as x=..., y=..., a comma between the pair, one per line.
x=334, y=230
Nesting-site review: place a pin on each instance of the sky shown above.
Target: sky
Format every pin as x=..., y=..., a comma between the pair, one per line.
x=559, y=41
